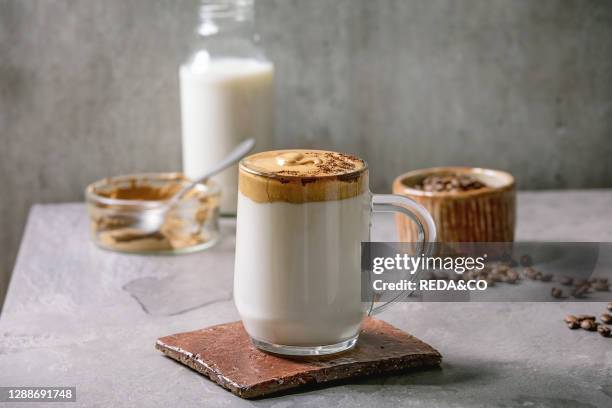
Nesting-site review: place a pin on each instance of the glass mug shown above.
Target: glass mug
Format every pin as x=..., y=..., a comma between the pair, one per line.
x=302, y=215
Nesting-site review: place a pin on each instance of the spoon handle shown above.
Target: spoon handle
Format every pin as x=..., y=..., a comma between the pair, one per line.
x=232, y=158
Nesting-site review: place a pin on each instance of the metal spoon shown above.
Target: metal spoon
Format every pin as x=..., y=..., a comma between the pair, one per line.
x=154, y=219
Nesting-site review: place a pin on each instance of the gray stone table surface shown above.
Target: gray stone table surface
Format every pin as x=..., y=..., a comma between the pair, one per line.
x=76, y=315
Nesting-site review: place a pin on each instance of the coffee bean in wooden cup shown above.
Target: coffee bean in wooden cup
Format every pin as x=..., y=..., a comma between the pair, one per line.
x=468, y=204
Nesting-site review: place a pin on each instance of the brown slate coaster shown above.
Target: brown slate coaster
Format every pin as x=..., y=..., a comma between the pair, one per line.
x=225, y=354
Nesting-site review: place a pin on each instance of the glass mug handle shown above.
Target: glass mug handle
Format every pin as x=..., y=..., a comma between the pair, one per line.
x=426, y=228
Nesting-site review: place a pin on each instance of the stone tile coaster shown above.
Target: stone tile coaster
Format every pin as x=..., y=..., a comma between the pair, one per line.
x=225, y=354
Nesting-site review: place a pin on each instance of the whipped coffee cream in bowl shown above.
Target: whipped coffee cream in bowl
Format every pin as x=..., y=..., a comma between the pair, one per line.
x=302, y=215
x=118, y=208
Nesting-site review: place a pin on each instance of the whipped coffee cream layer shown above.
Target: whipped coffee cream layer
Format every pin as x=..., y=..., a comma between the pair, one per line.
x=298, y=176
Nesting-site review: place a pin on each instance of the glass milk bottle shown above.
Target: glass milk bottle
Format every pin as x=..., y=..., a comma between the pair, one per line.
x=226, y=93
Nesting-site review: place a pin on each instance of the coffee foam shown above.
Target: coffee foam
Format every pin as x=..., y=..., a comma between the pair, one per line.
x=299, y=176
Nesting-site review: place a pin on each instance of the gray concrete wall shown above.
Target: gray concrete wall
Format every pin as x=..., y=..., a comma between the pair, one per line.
x=89, y=89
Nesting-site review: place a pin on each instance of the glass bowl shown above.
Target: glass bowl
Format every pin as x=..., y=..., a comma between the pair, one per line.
x=118, y=205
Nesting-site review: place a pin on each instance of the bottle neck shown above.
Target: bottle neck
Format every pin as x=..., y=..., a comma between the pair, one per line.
x=231, y=17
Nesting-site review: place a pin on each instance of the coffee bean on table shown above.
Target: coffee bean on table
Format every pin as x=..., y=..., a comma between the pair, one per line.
x=556, y=293
x=570, y=318
x=603, y=330
x=589, y=325
x=512, y=276
x=547, y=277
x=573, y=325
x=566, y=280
x=606, y=318
x=585, y=317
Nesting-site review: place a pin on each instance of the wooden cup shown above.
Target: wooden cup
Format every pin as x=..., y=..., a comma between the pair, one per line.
x=484, y=215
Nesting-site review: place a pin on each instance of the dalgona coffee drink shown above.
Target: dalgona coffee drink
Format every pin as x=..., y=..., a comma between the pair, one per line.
x=302, y=215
